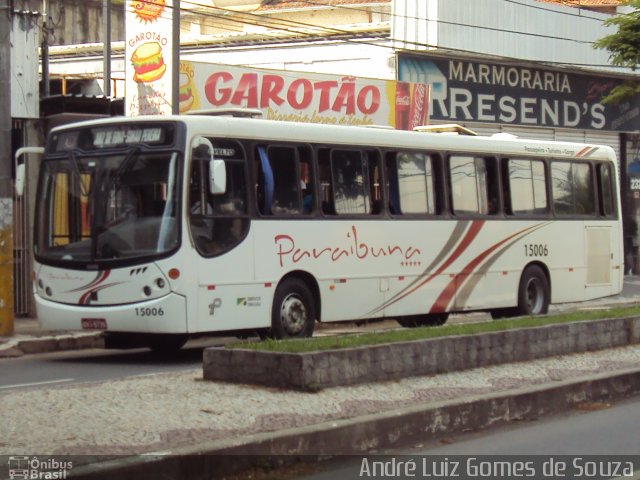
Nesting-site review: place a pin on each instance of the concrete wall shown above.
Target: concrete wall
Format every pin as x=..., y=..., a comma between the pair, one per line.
x=80, y=21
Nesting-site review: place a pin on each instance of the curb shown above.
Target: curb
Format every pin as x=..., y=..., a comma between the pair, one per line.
x=17, y=347
x=362, y=435
x=325, y=368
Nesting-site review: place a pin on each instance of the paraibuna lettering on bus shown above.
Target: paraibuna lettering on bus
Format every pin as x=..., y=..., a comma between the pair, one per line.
x=288, y=251
x=253, y=90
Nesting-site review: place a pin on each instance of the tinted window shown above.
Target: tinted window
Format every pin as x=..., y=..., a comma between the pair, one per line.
x=218, y=222
x=350, y=182
x=527, y=186
x=287, y=191
x=415, y=183
x=607, y=203
x=572, y=188
x=468, y=176
x=285, y=185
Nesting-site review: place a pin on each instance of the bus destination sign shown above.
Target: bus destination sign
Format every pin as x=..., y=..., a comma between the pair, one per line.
x=125, y=135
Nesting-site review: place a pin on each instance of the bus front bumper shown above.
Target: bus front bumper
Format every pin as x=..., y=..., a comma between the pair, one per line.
x=167, y=314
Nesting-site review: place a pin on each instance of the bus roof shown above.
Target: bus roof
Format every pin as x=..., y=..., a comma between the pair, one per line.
x=269, y=130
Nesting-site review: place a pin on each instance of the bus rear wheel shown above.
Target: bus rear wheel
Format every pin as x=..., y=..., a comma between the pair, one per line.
x=428, y=320
x=293, y=312
x=533, y=292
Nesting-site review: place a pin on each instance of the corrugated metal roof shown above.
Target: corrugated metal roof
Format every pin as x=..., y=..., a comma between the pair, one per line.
x=586, y=3
x=301, y=4
x=599, y=5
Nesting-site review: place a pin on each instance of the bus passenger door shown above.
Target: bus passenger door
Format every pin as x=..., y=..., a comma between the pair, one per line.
x=600, y=277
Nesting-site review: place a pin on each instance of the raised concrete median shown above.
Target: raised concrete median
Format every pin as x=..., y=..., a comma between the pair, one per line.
x=313, y=371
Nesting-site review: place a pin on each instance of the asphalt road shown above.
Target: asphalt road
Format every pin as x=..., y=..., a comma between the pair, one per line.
x=80, y=366
x=57, y=368
x=602, y=430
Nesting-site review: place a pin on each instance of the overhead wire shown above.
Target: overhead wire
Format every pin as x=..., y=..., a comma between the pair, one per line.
x=381, y=12
x=306, y=29
x=333, y=29
x=288, y=25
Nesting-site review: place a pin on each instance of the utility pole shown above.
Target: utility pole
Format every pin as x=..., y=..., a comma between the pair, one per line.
x=6, y=185
x=175, y=74
x=106, y=29
x=45, y=49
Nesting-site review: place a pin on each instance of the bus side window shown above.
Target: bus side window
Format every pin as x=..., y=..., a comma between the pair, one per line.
x=373, y=166
x=468, y=179
x=411, y=183
x=506, y=187
x=493, y=186
x=218, y=222
x=527, y=186
x=572, y=188
x=605, y=190
x=350, y=179
x=285, y=183
x=287, y=191
x=307, y=181
x=324, y=175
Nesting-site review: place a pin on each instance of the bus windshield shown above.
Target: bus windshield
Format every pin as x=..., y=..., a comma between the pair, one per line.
x=96, y=208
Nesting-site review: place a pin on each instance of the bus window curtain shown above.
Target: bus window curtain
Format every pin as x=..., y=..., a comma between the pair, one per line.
x=267, y=177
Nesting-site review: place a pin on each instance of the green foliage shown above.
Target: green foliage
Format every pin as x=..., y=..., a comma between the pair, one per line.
x=624, y=46
x=408, y=335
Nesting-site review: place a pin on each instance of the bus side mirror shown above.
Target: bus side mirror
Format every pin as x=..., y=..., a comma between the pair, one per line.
x=217, y=177
x=21, y=168
x=20, y=178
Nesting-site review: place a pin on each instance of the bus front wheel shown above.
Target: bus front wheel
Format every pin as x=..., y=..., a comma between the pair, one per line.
x=533, y=292
x=293, y=311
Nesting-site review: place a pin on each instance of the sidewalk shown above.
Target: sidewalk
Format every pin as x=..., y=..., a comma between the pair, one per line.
x=177, y=420
x=174, y=416
x=28, y=337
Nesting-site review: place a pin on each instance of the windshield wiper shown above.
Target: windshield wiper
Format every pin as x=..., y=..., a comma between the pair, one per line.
x=84, y=190
x=124, y=165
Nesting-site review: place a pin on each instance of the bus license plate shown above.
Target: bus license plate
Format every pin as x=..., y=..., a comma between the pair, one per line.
x=94, y=324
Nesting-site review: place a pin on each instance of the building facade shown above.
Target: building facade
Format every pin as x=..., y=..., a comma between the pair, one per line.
x=527, y=67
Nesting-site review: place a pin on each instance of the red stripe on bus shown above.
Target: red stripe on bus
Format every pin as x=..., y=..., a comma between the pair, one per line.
x=443, y=300
x=583, y=151
x=468, y=238
x=99, y=278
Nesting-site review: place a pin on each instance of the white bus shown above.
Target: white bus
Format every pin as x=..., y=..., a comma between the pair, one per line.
x=155, y=229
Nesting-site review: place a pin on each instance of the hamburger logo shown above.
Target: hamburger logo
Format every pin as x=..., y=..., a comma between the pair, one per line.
x=186, y=97
x=148, y=10
x=148, y=63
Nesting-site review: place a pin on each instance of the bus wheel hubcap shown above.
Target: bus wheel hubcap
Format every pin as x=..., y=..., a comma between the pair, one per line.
x=534, y=296
x=293, y=315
